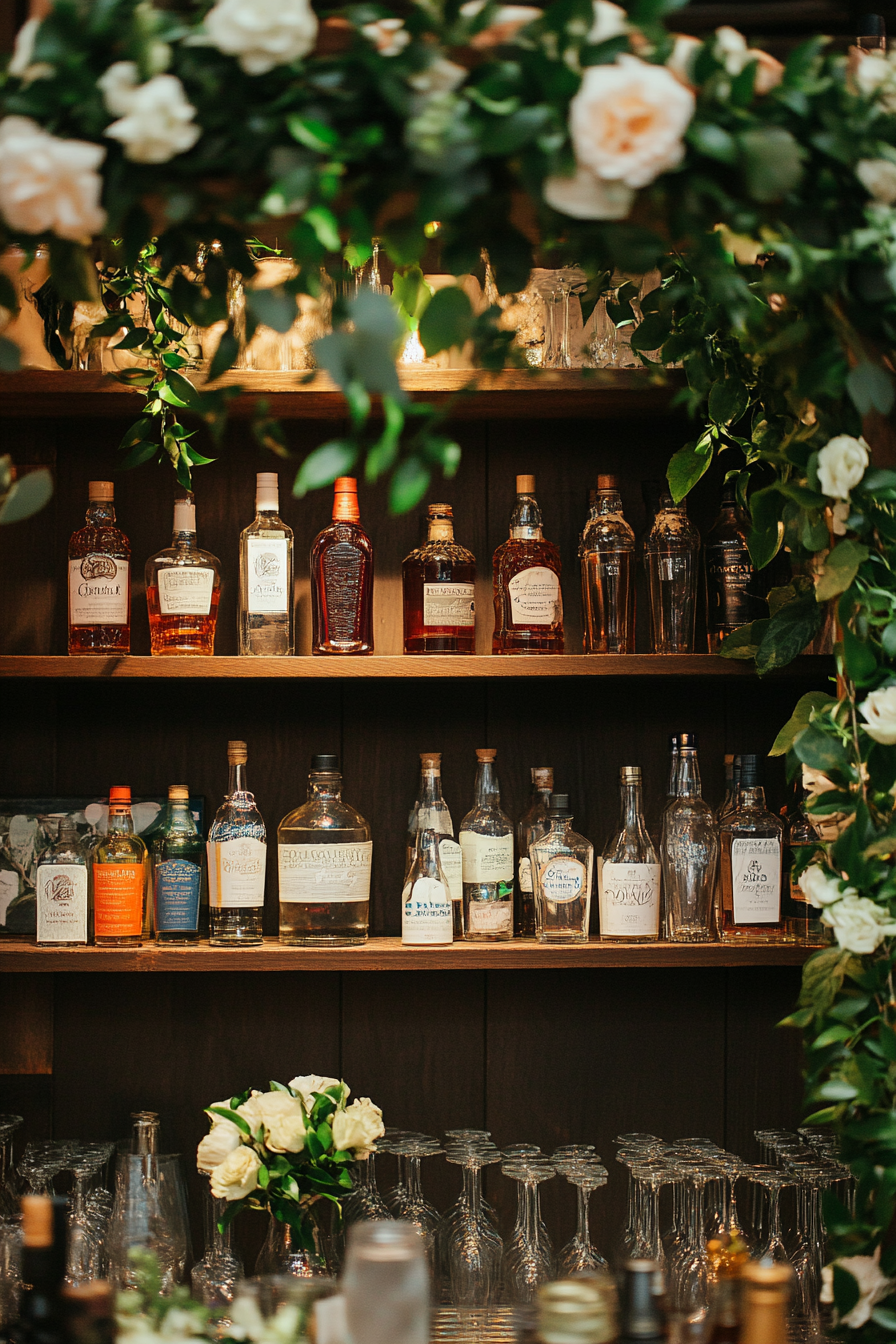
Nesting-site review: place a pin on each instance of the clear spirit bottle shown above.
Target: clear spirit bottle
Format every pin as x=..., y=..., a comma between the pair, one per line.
x=177, y=854
x=61, y=889
x=801, y=920
x=183, y=584
x=342, y=578
x=526, y=572
x=486, y=841
x=266, y=603
x=732, y=582
x=438, y=591
x=430, y=812
x=531, y=826
x=608, y=575
x=562, y=864
x=630, y=873
x=119, y=878
x=426, y=904
x=99, y=587
x=751, y=857
x=237, y=854
x=671, y=555
x=689, y=854
x=324, y=854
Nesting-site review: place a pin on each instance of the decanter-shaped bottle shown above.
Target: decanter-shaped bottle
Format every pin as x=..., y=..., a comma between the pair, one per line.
x=438, y=591
x=119, y=877
x=430, y=812
x=266, y=603
x=99, y=586
x=324, y=854
x=61, y=889
x=342, y=579
x=531, y=826
x=732, y=582
x=630, y=873
x=608, y=575
x=526, y=571
x=802, y=920
x=177, y=854
x=237, y=856
x=426, y=914
x=671, y=555
x=183, y=584
x=486, y=841
x=690, y=850
x=751, y=858
x=562, y=863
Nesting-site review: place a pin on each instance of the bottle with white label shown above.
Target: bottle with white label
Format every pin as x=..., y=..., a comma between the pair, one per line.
x=630, y=872
x=437, y=581
x=99, y=582
x=324, y=856
x=183, y=584
x=61, y=882
x=562, y=863
x=752, y=860
x=531, y=827
x=486, y=842
x=237, y=855
x=426, y=904
x=430, y=812
x=526, y=572
x=266, y=604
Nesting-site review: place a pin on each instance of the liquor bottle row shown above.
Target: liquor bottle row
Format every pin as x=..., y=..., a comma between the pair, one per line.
x=183, y=581
x=701, y=874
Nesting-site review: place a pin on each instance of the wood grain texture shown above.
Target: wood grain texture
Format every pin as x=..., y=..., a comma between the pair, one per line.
x=764, y=1069
x=26, y=1011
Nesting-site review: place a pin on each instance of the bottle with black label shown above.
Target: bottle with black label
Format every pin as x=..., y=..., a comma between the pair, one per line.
x=802, y=920
x=751, y=856
x=732, y=583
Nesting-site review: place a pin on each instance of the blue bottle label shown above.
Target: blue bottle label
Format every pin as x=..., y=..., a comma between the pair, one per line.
x=177, y=896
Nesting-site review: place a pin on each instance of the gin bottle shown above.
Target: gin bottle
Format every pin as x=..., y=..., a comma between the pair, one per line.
x=266, y=604
x=177, y=853
x=438, y=591
x=531, y=827
x=119, y=877
x=751, y=857
x=690, y=850
x=562, y=863
x=528, y=601
x=324, y=854
x=630, y=873
x=430, y=812
x=99, y=588
x=486, y=841
x=671, y=554
x=342, y=579
x=426, y=904
x=732, y=592
x=237, y=854
x=608, y=575
x=183, y=584
x=61, y=895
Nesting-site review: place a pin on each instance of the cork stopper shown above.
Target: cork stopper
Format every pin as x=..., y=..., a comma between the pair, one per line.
x=37, y=1220
x=543, y=776
x=120, y=798
x=525, y=485
x=345, y=500
x=236, y=753
x=441, y=522
x=431, y=759
x=267, y=491
x=101, y=490
x=178, y=793
x=185, y=515
x=771, y=1279
x=607, y=483
x=486, y=753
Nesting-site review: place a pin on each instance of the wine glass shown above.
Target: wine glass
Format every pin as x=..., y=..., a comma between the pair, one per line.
x=528, y=1259
x=578, y=1256
x=472, y=1246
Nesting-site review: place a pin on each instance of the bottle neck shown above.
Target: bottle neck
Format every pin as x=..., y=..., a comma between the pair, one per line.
x=688, y=785
x=441, y=529
x=430, y=788
x=236, y=780
x=345, y=508
x=488, y=793
x=609, y=501
x=525, y=521
x=120, y=821
x=672, y=790
x=752, y=798
x=180, y=817
x=631, y=805
x=100, y=512
x=324, y=785
x=427, y=861
x=183, y=540
x=560, y=827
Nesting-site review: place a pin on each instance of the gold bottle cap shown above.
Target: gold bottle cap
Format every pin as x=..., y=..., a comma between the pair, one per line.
x=237, y=753
x=101, y=490
x=37, y=1220
x=178, y=793
x=486, y=753
x=525, y=485
x=440, y=510
x=607, y=483
x=630, y=774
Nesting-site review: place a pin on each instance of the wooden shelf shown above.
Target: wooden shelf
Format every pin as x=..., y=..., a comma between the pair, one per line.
x=388, y=954
x=388, y=666
x=513, y=394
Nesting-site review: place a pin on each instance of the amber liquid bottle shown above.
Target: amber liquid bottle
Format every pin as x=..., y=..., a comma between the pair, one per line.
x=732, y=583
x=528, y=601
x=342, y=579
x=438, y=591
x=99, y=589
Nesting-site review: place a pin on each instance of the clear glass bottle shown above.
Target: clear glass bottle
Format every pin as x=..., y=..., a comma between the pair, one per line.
x=486, y=841
x=342, y=578
x=426, y=904
x=725, y=805
x=733, y=596
x=99, y=586
x=690, y=851
x=430, y=812
x=562, y=864
x=266, y=604
x=237, y=855
x=183, y=584
x=119, y=878
x=526, y=571
x=659, y=832
x=801, y=920
x=324, y=854
x=177, y=854
x=630, y=873
x=531, y=826
x=751, y=858
x=671, y=556
x=608, y=575
x=61, y=889
x=438, y=591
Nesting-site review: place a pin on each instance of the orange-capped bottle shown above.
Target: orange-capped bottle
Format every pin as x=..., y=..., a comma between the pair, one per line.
x=119, y=877
x=342, y=578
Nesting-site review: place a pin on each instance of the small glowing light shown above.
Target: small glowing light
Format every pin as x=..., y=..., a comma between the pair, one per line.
x=432, y=229
x=413, y=352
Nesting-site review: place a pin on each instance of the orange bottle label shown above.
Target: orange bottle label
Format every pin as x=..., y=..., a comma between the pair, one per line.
x=118, y=899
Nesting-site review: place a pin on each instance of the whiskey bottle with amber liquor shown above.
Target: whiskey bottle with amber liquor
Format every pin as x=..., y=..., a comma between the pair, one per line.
x=438, y=587
x=183, y=584
x=99, y=588
x=342, y=578
x=733, y=591
x=528, y=601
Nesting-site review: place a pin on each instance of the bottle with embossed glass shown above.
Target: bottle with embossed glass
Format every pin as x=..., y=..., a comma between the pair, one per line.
x=266, y=605
x=99, y=587
x=237, y=854
x=430, y=812
x=177, y=854
x=438, y=586
x=526, y=574
x=671, y=554
x=562, y=863
x=531, y=826
x=732, y=591
x=342, y=579
x=486, y=842
x=608, y=574
x=630, y=873
x=183, y=584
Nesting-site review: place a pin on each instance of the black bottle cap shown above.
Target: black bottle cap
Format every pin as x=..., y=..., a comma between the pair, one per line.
x=749, y=771
x=559, y=805
x=325, y=762
x=687, y=740
x=674, y=742
x=871, y=25
x=642, y=1304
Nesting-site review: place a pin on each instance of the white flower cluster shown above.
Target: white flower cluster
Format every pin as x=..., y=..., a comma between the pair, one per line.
x=842, y=463
x=48, y=184
x=873, y=1286
x=155, y=120
x=262, y=34
x=860, y=925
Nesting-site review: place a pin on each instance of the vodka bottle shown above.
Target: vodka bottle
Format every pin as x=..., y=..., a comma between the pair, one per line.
x=630, y=873
x=690, y=849
x=486, y=841
x=608, y=575
x=237, y=854
x=562, y=864
x=266, y=604
x=426, y=917
x=671, y=554
x=430, y=812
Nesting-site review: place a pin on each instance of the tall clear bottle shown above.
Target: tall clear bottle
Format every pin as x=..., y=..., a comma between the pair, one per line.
x=562, y=866
x=430, y=812
x=486, y=841
x=119, y=877
x=526, y=581
x=690, y=851
x=531, y=826
x=608, y=575
x=61, y=889
x=324, y=855
x=266, y=603
x=671, y=556
x=426, y=913
x=177, y=854
x=659, y=831
x=752, y=856
x=630, y=873
x=237, y=855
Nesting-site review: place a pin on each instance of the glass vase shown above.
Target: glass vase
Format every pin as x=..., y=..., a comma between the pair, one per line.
x=283, y=1251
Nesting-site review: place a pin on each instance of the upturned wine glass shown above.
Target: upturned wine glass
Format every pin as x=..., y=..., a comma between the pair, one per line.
x=528, y=1259
x=416, y=1209
x=472, y=1246
x=579, y=1256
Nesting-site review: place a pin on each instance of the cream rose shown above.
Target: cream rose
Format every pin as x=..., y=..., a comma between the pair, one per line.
x=874, y=74
x=873, y=1286
x=262, y=34
x=358, y=1126
x=506, y=23
x=821, y=889
x=841, y=465
x=22, y=64
x=860, y=925
x=682, y=57
x=237, y=1175
x=585, y=196
x=155, y=119
x=47, y=184
x=389, y=36
x=217, y=1145
x=731, y=48
x=309, y=1083
x=609, y=21
x=879, y=713
x=878, y=177
x=281, y=1116
x=628, y=119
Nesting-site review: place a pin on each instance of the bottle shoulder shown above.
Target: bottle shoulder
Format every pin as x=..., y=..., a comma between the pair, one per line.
x=107, y=540
x=608, y=528
x=341, y=534
x=119, y=848
x=486, y=821
x=514, y=555
x=439, y=551
x=177, y=557
x=269, y=525
x=332, y=815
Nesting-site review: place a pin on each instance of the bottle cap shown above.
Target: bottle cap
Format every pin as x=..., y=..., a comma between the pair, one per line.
x=178, y=793
x=185, y=515
x=439, y=511
x=543, y=775
x=101, y=490
x=486, y=753
x=525, y=485
x=68, y=825
x=749, y=771
x=121, y=794
x=729, y=758
x=37, y=1221
x=630, y=774
x=267, y=491
x=687, y=740
x=345, y=500
x=431, y=758
x=236, y=753
x=607, y=482
x=325, y=762
x=871, y=25
x=559, y=805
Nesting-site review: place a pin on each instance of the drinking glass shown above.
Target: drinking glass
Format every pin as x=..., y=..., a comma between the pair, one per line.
x=88, y=1223
x=386, y=1285
x=772, y=1180
x=472, y=1246
x=215, y=1277
x=587, y=1174
x=416, y=1209
x=690, y=1273
x=528, y=1259
x=9, y=1203
x=149, y=1212
x=365, y=1203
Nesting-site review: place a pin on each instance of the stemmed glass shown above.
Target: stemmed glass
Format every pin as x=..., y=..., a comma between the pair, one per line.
x=41, y=1163
x=528, y=1258
x=773, y=1180
x=9, y=1205
x=396, y=1198
x=366, y=1204
x=578, y=1256
x=472, y=1248
x=690, y=1272
x=417, y=1209
x=88, y=1223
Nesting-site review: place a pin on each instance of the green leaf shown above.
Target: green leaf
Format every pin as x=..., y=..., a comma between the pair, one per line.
x=772, y=162
x=789, y=631
x=820, y=750
x=381, y=457
x=275, y=308
x=447, y=320
x=226, y=1114
x=141, y=452
x=312, y=134
x=823, y=1117
x=408, y=485
x=871, y=388
x=321, y=467
x=686, y=468
x=26, y=496
x=225, y=356
x=846, y=1290
x=728, y=401
x=713, y=141
x=744, y=642
x=325, y=226
x=840, y=568
x=811, y=702
x=138, y=431
x=184, y=390
x=132, y=339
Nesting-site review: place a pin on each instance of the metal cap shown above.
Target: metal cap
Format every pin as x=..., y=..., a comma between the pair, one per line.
x=871, y=25
x=688, y=740
x=559, y=805
x=630, y=774
x=749, y=771
x=325, y=761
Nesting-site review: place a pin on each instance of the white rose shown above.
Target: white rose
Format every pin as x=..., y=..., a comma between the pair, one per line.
x=821, y=889
x=873, y=1286
x=682, y=57
x=879, y=713
x=219, y=1143
x=609, y=21
x=389, y=36
x=262, y=33
x=585, y=196
x=117, y=85
x=22, y=64
x=627, y=121
x=237, y=1175
x=841, y=465
x=859, y=925
x=875, y=74
x=358, y=1126
x=440, y=76
x=281, y=1116
x=878, y=177
x=506, y=22
x=47, y=184
x=157, y=122
x=309, y=1083
x=731, y=48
